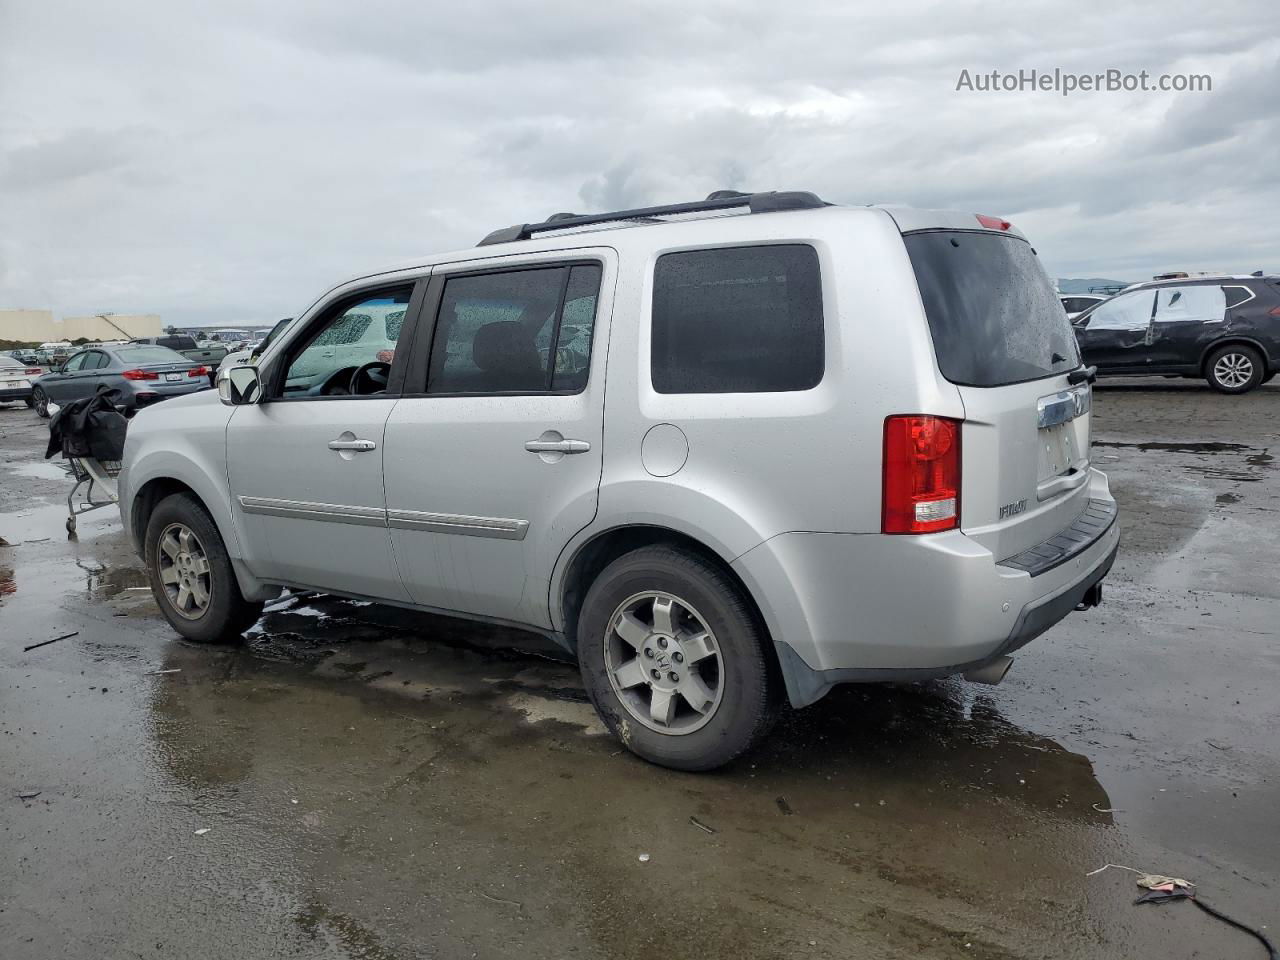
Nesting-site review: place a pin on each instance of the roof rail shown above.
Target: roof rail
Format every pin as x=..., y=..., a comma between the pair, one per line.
x=719, y=200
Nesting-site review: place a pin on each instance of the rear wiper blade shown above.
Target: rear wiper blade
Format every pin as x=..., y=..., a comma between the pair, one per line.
x=1082, y=375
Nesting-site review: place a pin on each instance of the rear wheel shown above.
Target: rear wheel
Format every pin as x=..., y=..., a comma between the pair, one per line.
x=1235, y=368
x=190, y=572
x=40, y=401
x=675, y=661
x=29, y=401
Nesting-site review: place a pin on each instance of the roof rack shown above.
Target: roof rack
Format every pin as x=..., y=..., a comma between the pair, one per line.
x=719, y=200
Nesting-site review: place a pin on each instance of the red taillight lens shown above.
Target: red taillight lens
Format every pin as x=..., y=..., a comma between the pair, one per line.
x=921, y=474
x=140, y=375
x=1274, y=311
x=34, y=371
x=198, y=372
x=993, y=223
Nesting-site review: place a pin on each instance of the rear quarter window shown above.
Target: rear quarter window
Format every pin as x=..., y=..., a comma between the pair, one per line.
x=993, y=314
x=737, y=320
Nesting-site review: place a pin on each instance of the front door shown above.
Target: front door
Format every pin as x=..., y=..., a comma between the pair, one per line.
x=305, y=464
x=65, y=385
x=495, y=463
x=1115, y=336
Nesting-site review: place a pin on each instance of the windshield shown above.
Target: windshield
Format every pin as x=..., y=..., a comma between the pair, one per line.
x=993, y=313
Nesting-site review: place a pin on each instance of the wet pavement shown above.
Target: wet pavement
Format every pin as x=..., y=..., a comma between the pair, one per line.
x=357, y=781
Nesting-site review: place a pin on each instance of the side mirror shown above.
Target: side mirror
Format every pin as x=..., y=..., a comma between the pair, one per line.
x=240, y=386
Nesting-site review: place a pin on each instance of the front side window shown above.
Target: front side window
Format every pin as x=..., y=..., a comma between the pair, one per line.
x=524, y=331
x=362, y=332
x=737, y=320
x=76, y=363
x=1202, y=304
x=1129, y=311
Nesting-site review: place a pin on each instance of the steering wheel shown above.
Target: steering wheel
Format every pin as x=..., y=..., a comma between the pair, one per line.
x=370, y=379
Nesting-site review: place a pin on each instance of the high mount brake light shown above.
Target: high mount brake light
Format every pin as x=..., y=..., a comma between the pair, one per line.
x=921, y=473
x=993, y=223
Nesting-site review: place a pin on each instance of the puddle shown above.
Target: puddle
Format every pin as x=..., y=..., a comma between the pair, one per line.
x=43, y=470
x=1167, y=447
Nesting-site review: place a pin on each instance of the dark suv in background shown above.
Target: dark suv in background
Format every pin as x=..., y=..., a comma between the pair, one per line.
x=1224, y=329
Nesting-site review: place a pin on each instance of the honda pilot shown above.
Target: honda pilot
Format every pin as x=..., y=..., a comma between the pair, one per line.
x=728, y=453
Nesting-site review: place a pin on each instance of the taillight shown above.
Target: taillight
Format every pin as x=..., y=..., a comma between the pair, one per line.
x=993, y=223
x=140, y=375
x=921, y=474
x=34, y=371
x=198, y=372
x=1274, y=311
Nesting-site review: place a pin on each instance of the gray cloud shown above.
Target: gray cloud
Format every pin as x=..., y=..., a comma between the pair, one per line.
x=228, y=163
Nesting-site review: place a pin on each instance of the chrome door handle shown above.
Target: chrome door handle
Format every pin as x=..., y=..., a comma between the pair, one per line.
x=357, y=445
x=557, y=446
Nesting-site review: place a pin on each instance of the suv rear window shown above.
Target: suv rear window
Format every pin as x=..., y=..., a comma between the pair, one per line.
x=177, y=343
x=993, y=313
x=737, y=320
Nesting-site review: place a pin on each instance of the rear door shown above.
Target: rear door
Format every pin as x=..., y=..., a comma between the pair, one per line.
x=1186, y=320
x=1116, y=335
x=1001, y=336
x=493, y=463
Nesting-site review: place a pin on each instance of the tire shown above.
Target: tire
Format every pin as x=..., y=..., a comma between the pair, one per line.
x=40, y=401
x=29, y=401
x=225, y=614
x=1270, y=376
x=1235, y=368
x=726, y=666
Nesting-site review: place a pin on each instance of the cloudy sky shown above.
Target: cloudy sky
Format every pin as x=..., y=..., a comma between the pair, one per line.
x=224, y=163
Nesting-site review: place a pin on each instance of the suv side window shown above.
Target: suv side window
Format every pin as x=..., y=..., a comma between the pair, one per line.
x=1129, y=311
x=737, y=320
x=1201, y=304
x=523, y=331
x=1237, y=296
x=348, y=339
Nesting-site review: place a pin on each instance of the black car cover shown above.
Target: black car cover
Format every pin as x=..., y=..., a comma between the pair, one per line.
x=91, y=427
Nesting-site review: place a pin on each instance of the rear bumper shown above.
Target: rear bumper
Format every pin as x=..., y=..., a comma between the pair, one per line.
x=15, y=393
x=846, y=608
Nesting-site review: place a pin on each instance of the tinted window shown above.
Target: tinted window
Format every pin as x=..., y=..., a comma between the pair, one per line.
x=739, y=320
x=135, y=356
x=1237, y=296
x=498, y=332
x=94, y=361
x=349, y=338
x=993, y=313
x=177, y=343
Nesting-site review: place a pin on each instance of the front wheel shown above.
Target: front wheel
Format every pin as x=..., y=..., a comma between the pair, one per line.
x=675, y=660
x=190, y=573
x=29, y=401
x=1235, y=368
x=40, y=400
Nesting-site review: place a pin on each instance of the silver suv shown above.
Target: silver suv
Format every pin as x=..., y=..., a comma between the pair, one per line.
x=729, y=453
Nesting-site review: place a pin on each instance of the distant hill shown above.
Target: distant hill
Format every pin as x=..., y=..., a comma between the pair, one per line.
x=1088, y=284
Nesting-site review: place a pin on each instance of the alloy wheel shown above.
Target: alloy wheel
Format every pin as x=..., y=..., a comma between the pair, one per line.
x=664, y=663
x=1233, y=370
x=42, y=402
x=184, y=571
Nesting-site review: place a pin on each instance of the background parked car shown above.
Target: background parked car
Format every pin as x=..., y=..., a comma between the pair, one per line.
x=15, y=380
x=143, y=373
x=1224, y=329
x=209, y=353
x=251, y=352
x=1077, y=303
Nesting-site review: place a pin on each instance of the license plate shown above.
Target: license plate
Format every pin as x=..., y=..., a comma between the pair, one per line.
x=173, y=376
x=1057, y=450
x=13, y=383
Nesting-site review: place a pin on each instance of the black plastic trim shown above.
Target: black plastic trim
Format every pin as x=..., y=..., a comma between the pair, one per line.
x=1083, y=533
x=770, y=202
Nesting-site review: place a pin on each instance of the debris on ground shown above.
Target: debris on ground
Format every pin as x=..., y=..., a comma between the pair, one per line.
x=202, y=831
x=784, y=806
x=1161, y=889
x=156, y=673
x=29, y=794
x=701, y=826
x=45, y=643
x=644, y=858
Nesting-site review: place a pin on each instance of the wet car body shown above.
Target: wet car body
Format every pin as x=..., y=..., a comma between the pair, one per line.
x=142, y=374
